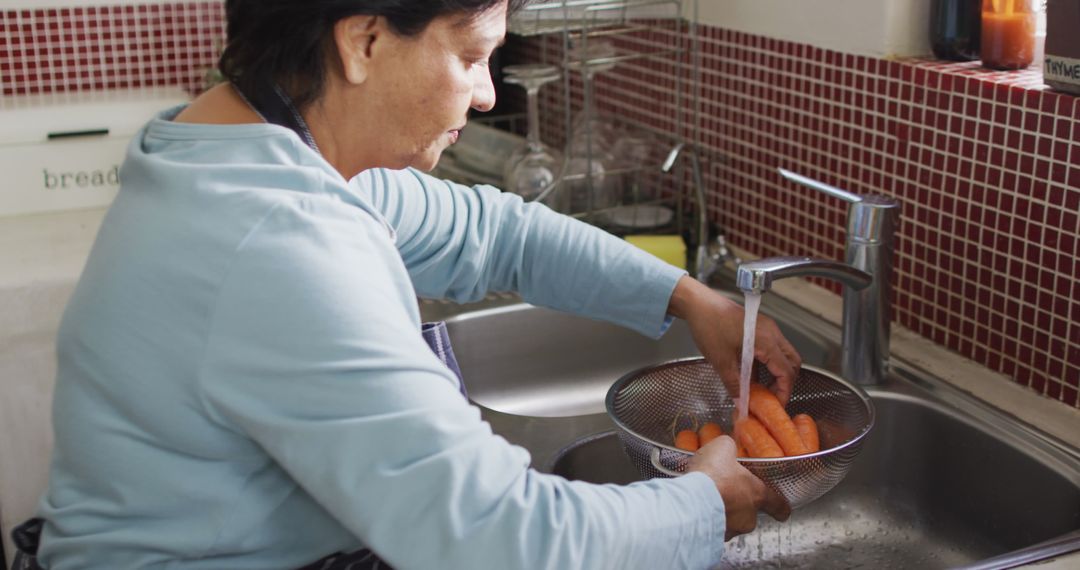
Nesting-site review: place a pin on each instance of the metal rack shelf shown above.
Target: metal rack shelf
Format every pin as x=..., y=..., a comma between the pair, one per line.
x=623, y=32
x=569, y=16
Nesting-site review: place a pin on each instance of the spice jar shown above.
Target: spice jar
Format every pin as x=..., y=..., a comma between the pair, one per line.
x=954, y=29
x=1008, y=33
x=1062, y=69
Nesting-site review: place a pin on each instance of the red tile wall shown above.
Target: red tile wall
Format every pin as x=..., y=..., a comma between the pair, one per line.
x=987, y=164
x=64, y=50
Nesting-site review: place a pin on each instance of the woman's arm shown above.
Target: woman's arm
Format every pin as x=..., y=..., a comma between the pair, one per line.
x=460, y=243
x=716, y=324
x=315, y=354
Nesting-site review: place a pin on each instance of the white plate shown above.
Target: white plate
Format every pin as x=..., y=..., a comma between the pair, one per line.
x=640, y=216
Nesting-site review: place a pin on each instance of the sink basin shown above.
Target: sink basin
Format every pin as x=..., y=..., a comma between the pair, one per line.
x=929, y=490
x=525, y=360
x=942, y=481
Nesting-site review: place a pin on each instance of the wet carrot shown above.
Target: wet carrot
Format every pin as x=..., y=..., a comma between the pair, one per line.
x=756, y=439
x=709, y=431
x=767, y=409
x=687, y=440
x=808, y=432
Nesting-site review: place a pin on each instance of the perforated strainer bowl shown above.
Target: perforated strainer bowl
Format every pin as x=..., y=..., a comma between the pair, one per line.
x=651, y=404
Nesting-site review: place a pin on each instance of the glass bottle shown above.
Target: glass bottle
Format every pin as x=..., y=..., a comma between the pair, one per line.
x=954, y=29
x=1008, y=33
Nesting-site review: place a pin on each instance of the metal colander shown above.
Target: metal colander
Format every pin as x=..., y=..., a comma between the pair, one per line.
x=650, y=404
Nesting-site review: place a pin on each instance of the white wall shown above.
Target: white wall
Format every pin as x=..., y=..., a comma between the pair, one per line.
x=883, y=28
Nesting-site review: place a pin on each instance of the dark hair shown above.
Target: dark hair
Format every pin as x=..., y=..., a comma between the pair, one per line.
x=283, y=42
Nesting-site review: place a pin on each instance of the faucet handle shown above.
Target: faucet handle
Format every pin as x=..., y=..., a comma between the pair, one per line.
x=833, y=191
x=871, y=219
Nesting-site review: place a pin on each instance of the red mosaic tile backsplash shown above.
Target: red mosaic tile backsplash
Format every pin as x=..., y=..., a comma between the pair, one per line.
x=63, y=50
x=987, y=164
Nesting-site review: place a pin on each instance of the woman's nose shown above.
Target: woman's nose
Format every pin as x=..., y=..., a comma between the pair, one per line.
x=484, y=93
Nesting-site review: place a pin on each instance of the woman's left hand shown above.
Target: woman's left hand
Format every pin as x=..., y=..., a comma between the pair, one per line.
x=716, y=324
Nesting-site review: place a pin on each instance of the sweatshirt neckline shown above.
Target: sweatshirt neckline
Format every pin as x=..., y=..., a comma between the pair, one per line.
x=165, y=127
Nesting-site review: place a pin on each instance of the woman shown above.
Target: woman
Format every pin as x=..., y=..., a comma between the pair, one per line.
x=243, y=378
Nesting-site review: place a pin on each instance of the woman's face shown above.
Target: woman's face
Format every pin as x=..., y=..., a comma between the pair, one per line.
x=421, y=87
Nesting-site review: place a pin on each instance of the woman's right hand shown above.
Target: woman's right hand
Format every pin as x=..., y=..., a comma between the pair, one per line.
x=743, y=493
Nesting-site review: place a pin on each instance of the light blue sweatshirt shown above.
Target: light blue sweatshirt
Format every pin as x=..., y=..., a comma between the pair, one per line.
x=243, y=383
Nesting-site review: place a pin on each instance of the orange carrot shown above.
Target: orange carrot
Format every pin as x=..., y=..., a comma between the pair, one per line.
x=709, y=431
x=767, y=409
x=756, y=439
x=808, y=432
x=687, y=440
x=740, y=451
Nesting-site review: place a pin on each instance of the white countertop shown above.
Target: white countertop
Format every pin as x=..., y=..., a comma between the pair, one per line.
x=46, y=247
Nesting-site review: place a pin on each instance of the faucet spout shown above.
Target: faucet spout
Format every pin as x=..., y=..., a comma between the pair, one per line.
x=865, y=275
x=758, y=276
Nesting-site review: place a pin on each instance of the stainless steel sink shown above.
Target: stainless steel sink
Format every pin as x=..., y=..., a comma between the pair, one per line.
x=524, y=360
x=930, y=490
x=942, y=482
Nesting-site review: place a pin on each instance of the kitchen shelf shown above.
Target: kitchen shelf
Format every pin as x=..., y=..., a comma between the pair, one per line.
x=597, y=38
x=588, y=16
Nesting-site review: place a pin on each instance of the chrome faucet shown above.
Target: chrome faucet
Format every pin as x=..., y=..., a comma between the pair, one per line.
x=865, y=275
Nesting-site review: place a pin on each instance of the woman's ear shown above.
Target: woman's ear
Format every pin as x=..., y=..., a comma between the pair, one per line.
x=355, y=37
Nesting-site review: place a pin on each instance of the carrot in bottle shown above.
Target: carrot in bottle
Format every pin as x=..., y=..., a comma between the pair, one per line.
x=1008, y=33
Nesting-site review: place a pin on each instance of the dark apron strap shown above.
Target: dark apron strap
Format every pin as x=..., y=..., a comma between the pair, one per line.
x=275, y=107
x=437, y=338
x=27, y=537
x=359, y=560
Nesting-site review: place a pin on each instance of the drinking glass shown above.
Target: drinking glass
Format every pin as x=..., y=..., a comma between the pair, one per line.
x=589, y=150
x=535, y=167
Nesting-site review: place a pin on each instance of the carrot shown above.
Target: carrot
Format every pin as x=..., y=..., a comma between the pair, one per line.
x=709, y=431
x=808, y=432
x=756, y=439
x=767, y=409
x=740, y=451
x=687, y=440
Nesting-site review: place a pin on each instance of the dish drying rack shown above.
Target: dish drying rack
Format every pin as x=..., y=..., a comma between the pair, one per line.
x=659, y=32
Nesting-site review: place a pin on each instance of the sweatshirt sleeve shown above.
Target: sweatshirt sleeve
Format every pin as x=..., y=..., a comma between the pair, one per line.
x=461, y=243
x=314, y=355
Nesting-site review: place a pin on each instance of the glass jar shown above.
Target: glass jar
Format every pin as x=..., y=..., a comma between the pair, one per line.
x=954, y=29
x=1008, y=33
